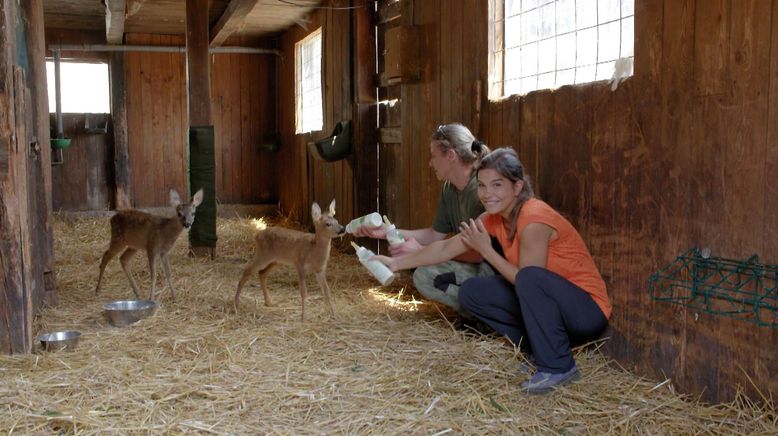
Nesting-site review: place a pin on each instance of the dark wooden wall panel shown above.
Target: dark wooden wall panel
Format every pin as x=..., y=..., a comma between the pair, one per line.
x=303, y=178
x=676, y=159
x=84, y=180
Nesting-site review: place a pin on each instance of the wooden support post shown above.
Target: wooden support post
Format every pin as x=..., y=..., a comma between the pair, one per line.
x=39, y=159
x=121, y=158
x=202, y=235
x=365, y=133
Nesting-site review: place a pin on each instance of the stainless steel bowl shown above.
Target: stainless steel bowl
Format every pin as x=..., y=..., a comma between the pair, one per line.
x=57, y=341
x=124, y=313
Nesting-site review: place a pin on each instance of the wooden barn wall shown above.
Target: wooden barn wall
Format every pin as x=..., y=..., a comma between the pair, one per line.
x=242, y=107
x=677, y=156
x=305, y=179
x=157, y=122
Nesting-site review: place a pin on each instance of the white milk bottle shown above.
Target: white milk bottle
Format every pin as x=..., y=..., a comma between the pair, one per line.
x=393, y=236
x=380, y=271
x=371, y=219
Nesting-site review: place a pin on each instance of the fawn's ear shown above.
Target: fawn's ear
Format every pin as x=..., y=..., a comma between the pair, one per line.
x=175, y=200
x=332, y=207
x=198, y=198
x=315, y=211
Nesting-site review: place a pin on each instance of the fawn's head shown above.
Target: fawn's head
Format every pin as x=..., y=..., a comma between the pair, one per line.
x=185, y=211
x=325, y=222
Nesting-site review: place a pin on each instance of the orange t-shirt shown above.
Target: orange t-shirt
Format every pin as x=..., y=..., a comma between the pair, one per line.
x=567, y=254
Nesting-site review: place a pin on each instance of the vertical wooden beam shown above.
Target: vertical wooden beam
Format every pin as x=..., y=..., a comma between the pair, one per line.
x=198, y=68
x=121, y=158
x=39, y=157
x=365, y=133
x=202, y=235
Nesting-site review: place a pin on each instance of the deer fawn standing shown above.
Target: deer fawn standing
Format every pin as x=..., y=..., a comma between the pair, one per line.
x=138, y=230
x=305, y=251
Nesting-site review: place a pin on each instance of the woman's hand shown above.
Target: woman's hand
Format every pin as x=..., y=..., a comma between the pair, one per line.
x=378, y=232
x=388, y=261
x=475, y=236
x=409, y=246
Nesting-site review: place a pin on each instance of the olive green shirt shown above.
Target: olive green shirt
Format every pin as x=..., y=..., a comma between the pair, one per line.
x=457, y=206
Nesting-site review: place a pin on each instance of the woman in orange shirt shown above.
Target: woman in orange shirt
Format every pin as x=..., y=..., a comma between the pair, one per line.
x=548, y=292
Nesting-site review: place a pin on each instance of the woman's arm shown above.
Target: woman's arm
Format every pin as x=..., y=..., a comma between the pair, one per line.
x=423, y=236
x=432, y=254
x=533, y=246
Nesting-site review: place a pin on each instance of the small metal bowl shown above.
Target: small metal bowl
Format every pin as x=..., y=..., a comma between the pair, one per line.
x=124, y=313
x=57, y=341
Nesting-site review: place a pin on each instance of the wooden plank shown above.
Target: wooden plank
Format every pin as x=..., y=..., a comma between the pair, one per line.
x=235, y=129
x=668, y=343
x=231, y=20
x=744, y=171
x=648, y=38
x=390, y=135
x=198, y=63
x=711, y=43
x=114, y=21
x=122, y=177
x=365, y=135
x=135, y=134
x=246, y=121
x=767, y=358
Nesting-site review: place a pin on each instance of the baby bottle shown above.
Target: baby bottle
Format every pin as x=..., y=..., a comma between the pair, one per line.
x=380, y=271
x=372, y=219
x=392, y=234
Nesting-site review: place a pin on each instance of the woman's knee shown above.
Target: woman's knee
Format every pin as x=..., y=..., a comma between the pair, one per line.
x=529, y=276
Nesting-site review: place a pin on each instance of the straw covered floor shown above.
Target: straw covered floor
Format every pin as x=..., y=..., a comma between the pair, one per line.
x=389, y=363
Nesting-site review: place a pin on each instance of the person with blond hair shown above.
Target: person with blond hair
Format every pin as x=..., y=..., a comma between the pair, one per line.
x=548, y=293
x=454, y=152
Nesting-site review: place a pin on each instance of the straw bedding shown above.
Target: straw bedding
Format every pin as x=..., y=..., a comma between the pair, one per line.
x=388, y=364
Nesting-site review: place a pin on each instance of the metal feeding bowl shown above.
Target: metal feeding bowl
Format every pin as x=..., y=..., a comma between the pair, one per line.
x=57, y=341
x=124, y=313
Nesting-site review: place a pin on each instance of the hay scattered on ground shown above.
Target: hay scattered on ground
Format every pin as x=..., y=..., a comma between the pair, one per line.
x=388, y=364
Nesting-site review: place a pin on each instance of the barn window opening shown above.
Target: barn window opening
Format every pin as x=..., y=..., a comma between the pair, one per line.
x=545, y=44
x=84, y=87
x=308, y=92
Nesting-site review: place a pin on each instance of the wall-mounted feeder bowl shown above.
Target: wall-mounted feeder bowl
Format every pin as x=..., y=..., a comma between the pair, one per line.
x=60, y=143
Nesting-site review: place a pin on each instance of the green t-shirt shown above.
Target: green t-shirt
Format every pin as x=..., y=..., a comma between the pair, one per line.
x=457, y=206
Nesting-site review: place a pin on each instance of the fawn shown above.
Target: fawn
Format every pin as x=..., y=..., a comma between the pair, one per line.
x=138, y=230
x=305, y=251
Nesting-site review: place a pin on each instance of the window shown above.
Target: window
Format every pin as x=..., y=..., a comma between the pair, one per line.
x=551, y=43
x=308, y=83
x=84, y=87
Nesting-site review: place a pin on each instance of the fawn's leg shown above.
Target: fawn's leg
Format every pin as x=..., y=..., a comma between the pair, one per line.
x=166, y=267
x=303, y=291
x=322, y=278
x=153, y=268
x=255, y=265
x=263, y=281
x=110, y=253
x=125, y=261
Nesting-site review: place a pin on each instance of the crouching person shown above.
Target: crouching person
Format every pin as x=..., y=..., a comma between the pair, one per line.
x=548, y=294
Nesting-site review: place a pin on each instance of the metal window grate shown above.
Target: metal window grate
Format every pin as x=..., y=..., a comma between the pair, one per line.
x=746, y=290
x=550, y=43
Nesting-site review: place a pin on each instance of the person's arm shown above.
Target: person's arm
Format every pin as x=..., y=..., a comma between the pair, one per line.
x=533, y=246
x=432, y=254
x=423, y=236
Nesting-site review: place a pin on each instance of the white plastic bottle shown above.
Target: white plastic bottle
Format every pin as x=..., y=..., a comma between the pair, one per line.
x=372, y=219
x=380, y=271
x=393, y=236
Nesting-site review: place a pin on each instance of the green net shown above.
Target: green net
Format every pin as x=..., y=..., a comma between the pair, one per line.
x=742, y=289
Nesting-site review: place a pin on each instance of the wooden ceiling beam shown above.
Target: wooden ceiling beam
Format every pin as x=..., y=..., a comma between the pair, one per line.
x=231, y=20
x=114, y=21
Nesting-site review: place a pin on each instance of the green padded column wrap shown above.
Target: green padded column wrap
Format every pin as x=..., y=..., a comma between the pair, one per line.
x=202, y=174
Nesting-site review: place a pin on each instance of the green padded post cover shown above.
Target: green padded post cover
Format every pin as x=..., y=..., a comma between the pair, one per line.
x=202, y=174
